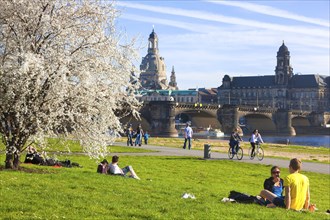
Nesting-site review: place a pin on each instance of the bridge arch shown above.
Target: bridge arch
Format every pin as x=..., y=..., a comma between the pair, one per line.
x=263, y=122
x=135, y=122
x=198, y=118
x=300, y=121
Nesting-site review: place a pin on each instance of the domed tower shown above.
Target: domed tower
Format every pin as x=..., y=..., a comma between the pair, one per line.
x=226, y=82
x=283, y=69
x=153, y=69
x=172, y=84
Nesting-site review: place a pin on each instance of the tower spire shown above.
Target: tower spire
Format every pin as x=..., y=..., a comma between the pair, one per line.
x=172, y=82
x=283, y=69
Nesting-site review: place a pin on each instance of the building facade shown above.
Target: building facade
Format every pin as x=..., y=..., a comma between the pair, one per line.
x=283, y=90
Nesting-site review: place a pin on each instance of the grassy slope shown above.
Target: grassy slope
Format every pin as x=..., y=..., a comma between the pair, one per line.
x=51, y=193
x=73, y=193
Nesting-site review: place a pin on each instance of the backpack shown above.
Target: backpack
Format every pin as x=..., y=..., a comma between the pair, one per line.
x=241, y=197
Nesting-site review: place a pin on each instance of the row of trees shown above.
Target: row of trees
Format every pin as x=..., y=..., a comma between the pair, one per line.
x=64, y=69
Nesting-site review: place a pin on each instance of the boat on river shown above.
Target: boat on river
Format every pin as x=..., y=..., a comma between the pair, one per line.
x=209, y=133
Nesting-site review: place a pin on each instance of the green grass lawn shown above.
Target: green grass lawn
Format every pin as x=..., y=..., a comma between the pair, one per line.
x=81, y=193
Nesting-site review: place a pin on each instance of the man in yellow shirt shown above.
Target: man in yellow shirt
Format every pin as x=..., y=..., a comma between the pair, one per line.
x=296, y=187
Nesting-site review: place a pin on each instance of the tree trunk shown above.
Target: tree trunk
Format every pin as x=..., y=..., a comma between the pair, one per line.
x=9, y=161
x=12, y=160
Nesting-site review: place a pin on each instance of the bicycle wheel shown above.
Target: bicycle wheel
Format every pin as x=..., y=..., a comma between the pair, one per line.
x=260, y=153
x=239, y=153
x=249, y=153
x=230, y=153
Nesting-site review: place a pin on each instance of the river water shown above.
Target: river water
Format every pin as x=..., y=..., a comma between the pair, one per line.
x=315, y=140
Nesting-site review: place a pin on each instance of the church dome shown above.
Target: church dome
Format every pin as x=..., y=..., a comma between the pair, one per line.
x=226, y=78
x=153, y=34
x=283, y=49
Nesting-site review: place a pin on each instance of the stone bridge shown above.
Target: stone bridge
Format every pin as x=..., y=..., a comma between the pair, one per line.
x=159, y=118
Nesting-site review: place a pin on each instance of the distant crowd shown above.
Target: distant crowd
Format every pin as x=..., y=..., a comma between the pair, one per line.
x=138, y=134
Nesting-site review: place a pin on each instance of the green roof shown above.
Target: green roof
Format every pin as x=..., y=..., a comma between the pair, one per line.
x=170, y=92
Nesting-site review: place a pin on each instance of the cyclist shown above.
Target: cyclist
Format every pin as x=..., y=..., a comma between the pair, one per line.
x=234, y=140
x=255, y=139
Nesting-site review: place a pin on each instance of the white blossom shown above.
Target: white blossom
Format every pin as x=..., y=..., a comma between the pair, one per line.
x=63, y=70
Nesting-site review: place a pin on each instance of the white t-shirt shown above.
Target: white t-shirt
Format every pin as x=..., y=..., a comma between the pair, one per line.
x=188, y=132
x=115, y=169
x=255, y=138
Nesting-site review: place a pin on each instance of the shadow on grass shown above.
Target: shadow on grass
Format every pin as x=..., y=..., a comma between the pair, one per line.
x=28, y=169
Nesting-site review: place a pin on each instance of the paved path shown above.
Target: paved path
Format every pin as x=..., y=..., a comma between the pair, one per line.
x=170, y=151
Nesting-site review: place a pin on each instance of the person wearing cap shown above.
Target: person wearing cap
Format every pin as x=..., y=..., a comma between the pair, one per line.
x=188, y=132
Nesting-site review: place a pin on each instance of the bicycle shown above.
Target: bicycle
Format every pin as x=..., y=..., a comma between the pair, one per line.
x=258, y=151
x=238, y=152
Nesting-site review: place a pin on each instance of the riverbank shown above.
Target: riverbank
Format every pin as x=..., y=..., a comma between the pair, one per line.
x=306, y=153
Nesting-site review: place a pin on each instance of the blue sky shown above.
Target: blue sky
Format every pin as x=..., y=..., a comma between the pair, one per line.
x=204, y=40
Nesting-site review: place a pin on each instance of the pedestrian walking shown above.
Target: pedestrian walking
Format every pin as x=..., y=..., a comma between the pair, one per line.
x=188, y=132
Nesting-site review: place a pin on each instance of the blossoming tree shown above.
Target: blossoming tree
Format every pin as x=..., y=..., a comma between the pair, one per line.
x=64, y=69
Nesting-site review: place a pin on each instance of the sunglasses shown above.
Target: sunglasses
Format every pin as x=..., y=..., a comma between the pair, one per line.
x=276, y=172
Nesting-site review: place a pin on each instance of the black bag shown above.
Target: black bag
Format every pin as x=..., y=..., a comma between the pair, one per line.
x=242, y=197
x=50, y=162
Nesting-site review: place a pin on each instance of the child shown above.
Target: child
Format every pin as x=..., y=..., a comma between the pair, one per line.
x=146, y=137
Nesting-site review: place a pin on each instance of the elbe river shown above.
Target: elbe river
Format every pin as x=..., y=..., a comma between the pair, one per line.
x=312, y=140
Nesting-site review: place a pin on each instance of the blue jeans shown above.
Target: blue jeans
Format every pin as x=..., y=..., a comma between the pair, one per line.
x=185, y=143
x=129, y=140
x=234, y=146
x=138, y=140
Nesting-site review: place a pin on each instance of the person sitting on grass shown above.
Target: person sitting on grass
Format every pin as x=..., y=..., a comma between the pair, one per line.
x=103, y=167
x=274, y=184
x=296, y=187
x=116, y=170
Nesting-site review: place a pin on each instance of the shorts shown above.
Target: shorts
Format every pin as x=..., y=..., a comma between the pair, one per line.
x=279, y=201
x=126, y=169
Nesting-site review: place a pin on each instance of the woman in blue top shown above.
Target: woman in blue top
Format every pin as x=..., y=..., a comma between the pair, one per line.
x=273, y=184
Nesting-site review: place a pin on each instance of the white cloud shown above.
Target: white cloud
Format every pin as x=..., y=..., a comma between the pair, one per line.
x=226, y=19
x=208, y=34
x=267, y=10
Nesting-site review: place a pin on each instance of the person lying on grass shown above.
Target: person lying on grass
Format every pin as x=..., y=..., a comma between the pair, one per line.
x=296, y=187
x=115, y=169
